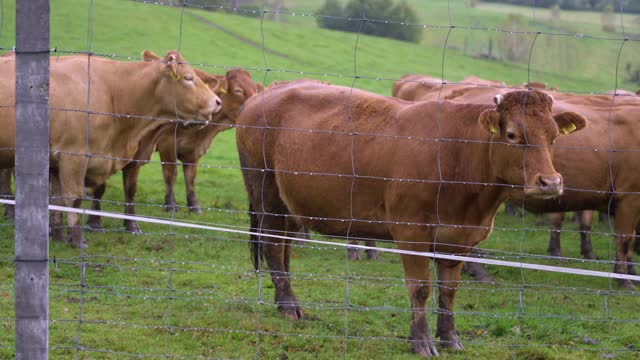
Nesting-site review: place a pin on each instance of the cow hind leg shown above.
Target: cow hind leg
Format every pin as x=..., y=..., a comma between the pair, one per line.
x=353, y=253
x=585, y=219
x=56, y=230
x=5, y=192
x=372, y=254
x=268, y=216
x=477, y=271
x=636, y=247
x=625, y=225
x=72, y=181
x=95, y=221
x=556, y=220
x=130, y=181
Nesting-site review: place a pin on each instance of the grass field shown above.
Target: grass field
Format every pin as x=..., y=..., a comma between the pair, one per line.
x=190, y=293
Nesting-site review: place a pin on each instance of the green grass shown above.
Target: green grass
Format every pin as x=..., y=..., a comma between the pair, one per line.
x=214, y=310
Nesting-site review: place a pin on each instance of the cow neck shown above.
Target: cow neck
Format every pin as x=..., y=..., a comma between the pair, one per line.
x=135, y=96
x=479, y=167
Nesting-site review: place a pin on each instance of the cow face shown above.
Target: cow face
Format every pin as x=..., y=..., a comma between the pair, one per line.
x=522, y=128
x=234, y=89
x=239, y=88
x=180, y=91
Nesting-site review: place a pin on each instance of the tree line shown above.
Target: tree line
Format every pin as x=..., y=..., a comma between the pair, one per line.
x=627, y=6
x=395, y=19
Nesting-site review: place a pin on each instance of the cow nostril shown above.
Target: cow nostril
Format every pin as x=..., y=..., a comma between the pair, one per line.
x=218, y=102
x=550, y=181
x=543, y=182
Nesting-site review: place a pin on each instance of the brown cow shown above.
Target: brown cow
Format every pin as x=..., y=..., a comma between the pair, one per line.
x=301, y=144
x=192, y=143
x=416, y=87
x=609, y=144
x=139, y=93
x=236, y=88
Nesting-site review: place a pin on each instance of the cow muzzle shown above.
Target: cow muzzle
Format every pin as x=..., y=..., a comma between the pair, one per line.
x=545, y=186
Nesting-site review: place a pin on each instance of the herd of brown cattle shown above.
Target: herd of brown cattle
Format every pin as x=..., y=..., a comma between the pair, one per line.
x=427, y=168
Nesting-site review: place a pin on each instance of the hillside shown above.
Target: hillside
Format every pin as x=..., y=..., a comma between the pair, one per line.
x=125, y=28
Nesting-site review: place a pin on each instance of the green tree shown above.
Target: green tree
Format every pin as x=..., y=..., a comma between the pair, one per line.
x=328, y=12
x=404, y=13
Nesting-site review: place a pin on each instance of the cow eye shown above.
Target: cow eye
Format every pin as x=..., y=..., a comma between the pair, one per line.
x=238, y=91
x=188, y=77
x=511, y=136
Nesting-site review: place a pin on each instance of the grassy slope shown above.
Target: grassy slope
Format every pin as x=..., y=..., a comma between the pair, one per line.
x=219, y=295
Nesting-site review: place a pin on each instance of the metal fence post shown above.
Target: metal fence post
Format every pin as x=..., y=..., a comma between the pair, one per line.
x=32, y=179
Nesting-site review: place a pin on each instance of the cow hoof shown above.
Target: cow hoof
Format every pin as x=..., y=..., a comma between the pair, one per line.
x=56, y=234
x=79, y=244
x=95, y=226
x=292, y=312
x=353, y=254
x=424, y=347
x=9, y=213
x=372, y=254
x=195, y=209
x=451, y=341
x=133, y=228
x=626, y=284
x=171, y=208
x=556, y=253
x=484, y=278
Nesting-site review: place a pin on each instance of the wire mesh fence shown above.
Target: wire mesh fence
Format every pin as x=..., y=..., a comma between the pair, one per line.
x=181, y=284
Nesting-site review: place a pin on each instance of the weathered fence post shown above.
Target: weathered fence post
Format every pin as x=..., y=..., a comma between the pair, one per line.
x=32, y=179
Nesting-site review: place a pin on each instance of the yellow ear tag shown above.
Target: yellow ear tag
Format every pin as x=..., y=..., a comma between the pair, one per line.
x=175, y=75
x=223, y=90
x=493, y=130
x=569, y=128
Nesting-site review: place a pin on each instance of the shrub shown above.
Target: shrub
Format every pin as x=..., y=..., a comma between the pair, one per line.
x=368, y=16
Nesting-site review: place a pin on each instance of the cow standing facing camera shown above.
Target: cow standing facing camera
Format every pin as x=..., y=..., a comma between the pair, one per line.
x=429, y=176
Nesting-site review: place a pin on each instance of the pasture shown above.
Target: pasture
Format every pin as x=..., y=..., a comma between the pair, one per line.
x=191, y=293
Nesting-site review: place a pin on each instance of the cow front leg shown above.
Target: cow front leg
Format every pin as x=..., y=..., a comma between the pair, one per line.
x=556, y=220
x=130, y=181
x=416, y=273
x=95, y=221
x=169, y=159
x=72, y=182
x=190, y=170
x=448, y=282
x=585, y=219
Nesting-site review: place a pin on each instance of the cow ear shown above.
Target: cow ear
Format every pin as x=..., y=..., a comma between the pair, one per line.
x=149, y=55
x=171, y=59
x=224, y=85
x=212, y=82
x=489, y=119
x=260, y=87
x=569, y=122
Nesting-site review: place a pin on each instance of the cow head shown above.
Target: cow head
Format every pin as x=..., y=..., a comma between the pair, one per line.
x=522, y=128
x=234, y=89
x=180, y=91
